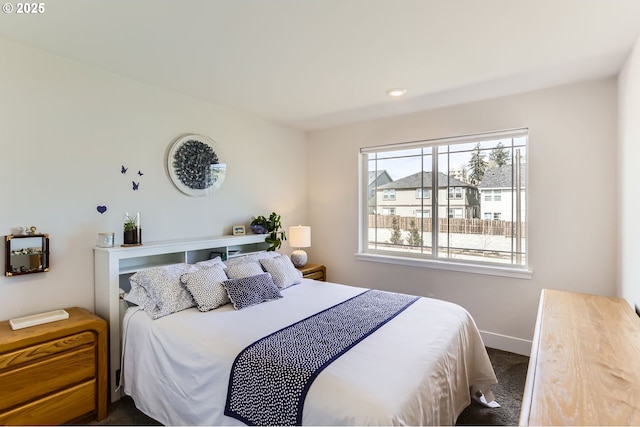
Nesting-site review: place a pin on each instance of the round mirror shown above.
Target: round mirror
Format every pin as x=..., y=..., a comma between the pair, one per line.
x=194, y=165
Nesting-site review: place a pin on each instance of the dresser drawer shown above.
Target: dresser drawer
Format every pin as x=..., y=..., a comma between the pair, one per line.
x=46, y=375
x=314, y=272
x=316, y=275
x=55, y=408
x=47, y=349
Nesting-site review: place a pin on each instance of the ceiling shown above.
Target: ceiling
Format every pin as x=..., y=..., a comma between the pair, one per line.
x=311, y=64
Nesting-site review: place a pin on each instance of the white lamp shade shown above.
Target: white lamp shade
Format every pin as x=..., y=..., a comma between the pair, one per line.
x=300, y=236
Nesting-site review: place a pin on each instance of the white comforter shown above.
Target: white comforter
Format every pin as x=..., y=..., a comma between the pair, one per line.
x=415, y=370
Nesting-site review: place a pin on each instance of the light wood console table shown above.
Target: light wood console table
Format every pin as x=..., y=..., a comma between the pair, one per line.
x=585, y=362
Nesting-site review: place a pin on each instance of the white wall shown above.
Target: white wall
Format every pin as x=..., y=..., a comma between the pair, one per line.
x=572, y=246
x=629, y=146
x=67, y=128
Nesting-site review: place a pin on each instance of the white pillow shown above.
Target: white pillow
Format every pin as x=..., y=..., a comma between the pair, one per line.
x=206, y=288
x=211, y=262
x=247, y=269
x=159, y=290
x=256, y=257
x=282, y=270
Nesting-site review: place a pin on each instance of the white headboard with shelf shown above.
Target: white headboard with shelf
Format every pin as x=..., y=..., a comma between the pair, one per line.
x=114, y=265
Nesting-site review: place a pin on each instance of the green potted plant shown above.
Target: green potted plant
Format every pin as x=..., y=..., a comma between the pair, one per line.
x=132, y=231
x=272, y=226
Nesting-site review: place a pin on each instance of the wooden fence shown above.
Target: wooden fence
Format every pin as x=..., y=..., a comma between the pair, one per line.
x=451, y=225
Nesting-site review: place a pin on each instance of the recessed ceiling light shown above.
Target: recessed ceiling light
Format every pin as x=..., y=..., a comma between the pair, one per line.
x=396, y=91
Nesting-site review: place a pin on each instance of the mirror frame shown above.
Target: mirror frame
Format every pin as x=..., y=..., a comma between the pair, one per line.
x=43, y=251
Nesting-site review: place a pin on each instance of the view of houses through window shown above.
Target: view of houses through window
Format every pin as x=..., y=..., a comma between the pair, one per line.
x=455, y=199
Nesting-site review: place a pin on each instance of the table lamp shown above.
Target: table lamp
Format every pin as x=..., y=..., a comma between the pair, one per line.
x=299, y=237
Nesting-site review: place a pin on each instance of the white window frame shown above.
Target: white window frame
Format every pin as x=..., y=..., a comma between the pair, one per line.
x=420, y=193
x=388, y=211
x=455, y=213
x=389, y=194
x=366, y=254
x=454, y=193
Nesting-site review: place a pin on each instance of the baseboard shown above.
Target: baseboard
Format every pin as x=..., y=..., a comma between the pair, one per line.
x=506, y=343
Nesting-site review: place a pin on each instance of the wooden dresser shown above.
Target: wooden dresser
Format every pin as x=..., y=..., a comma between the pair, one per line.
x=585, y=362
x=54, y=373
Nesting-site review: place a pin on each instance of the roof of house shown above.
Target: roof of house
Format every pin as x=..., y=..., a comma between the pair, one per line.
x=501, y=176
x=374, y=175
x=423, y=180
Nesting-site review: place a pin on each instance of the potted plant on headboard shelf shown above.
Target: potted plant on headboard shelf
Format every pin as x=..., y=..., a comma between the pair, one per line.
x=272, y=225
x=132, y=231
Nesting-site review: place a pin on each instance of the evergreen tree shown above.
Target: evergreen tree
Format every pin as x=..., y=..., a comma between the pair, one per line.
x=478, y=166
x=396, y=234
x=414, y=239
x=499, y=155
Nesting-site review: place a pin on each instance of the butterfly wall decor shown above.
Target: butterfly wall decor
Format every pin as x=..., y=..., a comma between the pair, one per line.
x=134, y=185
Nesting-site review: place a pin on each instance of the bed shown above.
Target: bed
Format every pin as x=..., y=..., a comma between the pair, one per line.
x=419, y=367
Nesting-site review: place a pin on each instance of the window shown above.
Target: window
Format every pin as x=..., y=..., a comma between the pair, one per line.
x=455, y=213
x=435, y=192
x=455, y=192
x=423, y=193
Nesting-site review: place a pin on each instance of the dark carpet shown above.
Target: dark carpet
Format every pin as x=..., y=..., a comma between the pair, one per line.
x=510, y=368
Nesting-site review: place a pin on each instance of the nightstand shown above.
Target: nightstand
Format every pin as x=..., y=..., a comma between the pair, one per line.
x=314, y=271
x=54, y=373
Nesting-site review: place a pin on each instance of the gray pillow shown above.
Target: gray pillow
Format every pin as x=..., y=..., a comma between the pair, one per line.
x=211, y=262
x=206, y=288
x=282, y=270
x=255, y=257
x=247, y=269
x=159, y=290
x=252, y=290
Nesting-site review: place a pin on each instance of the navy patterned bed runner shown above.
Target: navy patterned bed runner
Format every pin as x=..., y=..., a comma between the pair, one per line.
x=271, y=377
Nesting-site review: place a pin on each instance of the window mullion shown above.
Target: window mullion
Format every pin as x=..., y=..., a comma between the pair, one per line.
x=434, y=202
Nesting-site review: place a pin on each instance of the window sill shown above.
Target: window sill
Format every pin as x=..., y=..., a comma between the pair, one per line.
x=518, y=273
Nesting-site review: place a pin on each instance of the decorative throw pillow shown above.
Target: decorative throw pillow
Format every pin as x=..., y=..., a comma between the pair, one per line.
x=159, y=290
x=252, y=290
x=256, y=257
x=247, y=269
x=282, y=271
x=211, y=262
x=205, y=286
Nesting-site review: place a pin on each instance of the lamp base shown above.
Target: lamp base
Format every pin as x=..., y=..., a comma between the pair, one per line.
x=299, y=258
